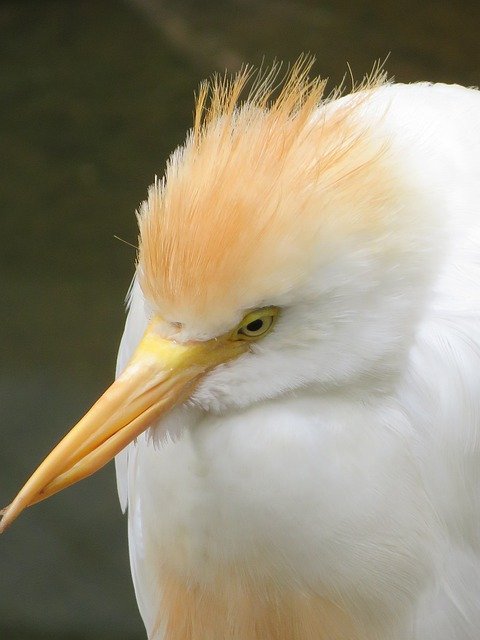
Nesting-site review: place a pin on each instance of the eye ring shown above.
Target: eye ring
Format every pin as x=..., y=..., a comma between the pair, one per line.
x=256, y=324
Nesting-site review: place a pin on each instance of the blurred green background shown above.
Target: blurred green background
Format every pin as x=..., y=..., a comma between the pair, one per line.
x=93, y=97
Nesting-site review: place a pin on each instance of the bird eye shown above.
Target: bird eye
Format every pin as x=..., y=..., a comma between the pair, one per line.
x=256, y=324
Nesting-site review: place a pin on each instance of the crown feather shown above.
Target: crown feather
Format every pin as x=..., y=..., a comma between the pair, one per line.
x=248, y=192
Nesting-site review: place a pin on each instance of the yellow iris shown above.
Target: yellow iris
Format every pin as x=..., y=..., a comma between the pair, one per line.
x=256, y=324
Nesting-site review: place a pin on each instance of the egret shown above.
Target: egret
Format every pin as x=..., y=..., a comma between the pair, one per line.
x=296, y=418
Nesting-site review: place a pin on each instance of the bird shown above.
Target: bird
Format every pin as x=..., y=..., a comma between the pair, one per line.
x=296, y=417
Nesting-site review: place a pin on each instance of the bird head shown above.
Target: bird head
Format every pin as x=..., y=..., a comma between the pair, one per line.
x=279, y=253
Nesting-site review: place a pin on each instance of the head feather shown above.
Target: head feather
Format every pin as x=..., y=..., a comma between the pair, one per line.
x=237, y=216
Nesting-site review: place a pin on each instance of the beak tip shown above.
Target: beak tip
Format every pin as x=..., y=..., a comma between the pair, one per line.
x=7, y=516
x=3, y=522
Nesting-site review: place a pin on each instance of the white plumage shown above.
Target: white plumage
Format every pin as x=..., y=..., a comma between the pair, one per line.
x=318, y=477
x=341, y=459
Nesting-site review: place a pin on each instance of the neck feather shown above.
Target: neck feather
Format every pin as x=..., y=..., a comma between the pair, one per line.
x=234, y=609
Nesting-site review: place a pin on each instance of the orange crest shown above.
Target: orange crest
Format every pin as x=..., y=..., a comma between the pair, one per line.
x=239, y=214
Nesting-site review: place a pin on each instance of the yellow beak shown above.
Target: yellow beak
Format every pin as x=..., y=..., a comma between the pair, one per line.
x=160, y=374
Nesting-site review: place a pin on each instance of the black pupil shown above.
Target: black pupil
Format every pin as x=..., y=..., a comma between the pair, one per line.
x=255, y=325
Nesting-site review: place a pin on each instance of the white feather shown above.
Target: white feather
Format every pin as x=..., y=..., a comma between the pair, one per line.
x=343, y=453
x=134, y=329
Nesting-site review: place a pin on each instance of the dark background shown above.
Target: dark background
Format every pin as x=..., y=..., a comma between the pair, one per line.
x=93, y=96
